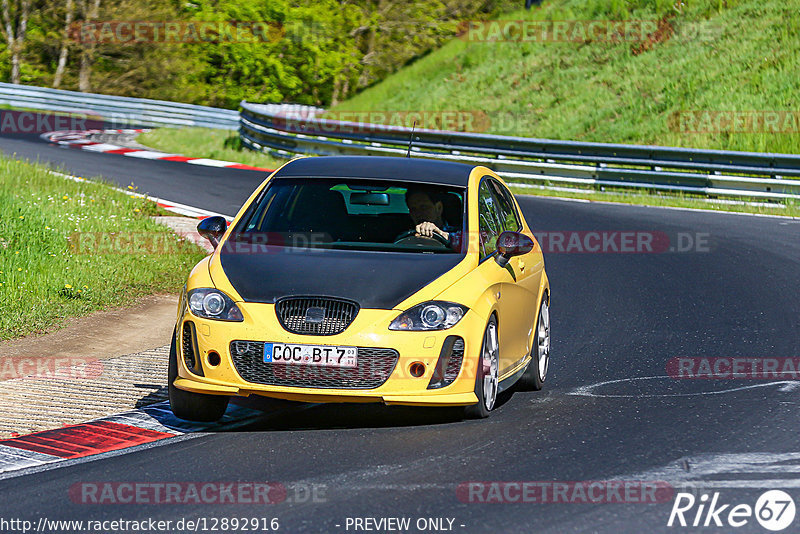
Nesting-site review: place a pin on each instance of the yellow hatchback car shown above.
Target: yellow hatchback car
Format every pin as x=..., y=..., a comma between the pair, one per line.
x=365, y=279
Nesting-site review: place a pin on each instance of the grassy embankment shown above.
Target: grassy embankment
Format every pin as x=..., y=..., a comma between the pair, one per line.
x=742, y=57
x=69, y=248
x=207, y=143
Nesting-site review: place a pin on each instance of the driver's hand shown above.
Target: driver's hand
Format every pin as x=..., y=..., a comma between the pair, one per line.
x=427, y=229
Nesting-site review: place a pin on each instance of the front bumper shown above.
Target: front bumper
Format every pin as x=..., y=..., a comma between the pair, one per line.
x=368, y=330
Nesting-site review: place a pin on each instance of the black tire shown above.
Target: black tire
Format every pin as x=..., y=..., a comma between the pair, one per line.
x=533, y=379
x=480, y=410
x=186, y=404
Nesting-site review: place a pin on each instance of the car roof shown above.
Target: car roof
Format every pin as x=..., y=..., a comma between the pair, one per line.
x=379, y=167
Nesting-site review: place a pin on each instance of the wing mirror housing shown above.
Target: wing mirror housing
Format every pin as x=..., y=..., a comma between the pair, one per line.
x=510, y=244
x=213, y=228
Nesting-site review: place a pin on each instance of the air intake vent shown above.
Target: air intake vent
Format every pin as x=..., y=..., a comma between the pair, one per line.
x=374, y=367
x=449, y=364
x=188, y=344
x=315, y=316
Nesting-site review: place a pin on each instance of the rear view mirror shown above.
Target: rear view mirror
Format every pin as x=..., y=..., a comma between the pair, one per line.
x=510, y=244
x=369, y=199
x=213, y=228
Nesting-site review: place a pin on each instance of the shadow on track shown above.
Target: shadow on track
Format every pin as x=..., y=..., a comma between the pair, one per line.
x=330, y=416
x=158, y=394
x=256, y=413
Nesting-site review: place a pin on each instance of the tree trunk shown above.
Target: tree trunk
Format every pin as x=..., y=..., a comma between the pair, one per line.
x=85, y=74
x=87, y=52
x=14, y=64
x=345, y=86
x=337, y=85
x=62, y=56
x=364, y=78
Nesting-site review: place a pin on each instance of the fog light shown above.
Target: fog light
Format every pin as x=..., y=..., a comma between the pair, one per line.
x=213, y=359
x=417, y=369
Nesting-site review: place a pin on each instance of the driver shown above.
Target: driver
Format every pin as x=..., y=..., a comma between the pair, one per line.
x=427, y=213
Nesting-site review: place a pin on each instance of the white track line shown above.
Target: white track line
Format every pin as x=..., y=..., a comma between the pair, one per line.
x=80, y=139
x=175, y=207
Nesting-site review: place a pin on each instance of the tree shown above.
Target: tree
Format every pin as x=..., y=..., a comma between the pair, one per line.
x=314, y=52
x=14, y=28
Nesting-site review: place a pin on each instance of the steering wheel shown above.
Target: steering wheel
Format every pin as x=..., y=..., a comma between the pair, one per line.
x=412, y=233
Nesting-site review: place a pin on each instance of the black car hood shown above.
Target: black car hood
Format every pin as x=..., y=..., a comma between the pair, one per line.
x=379, y=280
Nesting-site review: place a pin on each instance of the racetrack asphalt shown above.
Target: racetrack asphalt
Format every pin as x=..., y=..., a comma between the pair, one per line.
x=165, y=179
x=608, y=410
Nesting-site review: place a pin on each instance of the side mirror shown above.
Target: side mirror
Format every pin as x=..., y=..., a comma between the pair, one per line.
x=510, y=244
x=212, y=228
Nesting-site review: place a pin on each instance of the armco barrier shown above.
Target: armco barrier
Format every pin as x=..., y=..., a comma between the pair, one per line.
x=293, y=129
x=529, y=160
x=118, y=111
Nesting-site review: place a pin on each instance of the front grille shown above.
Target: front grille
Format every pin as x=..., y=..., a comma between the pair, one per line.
x=374, y=368
x=315, y=316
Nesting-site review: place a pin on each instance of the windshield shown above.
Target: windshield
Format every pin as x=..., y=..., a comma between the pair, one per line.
x=355, y=214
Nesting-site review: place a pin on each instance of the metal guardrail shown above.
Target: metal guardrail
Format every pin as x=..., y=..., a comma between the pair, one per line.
x=529, y=160
x=118, y=111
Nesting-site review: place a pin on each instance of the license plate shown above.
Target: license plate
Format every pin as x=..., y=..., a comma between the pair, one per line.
x=325, y=355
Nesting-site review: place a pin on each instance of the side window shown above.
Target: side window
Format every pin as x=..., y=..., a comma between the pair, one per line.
x=505, y=207
x=489, y=225
x=254, y=219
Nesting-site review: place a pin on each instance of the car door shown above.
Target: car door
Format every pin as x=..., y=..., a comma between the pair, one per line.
x=491, y=275
x=520, y=289
x=499, y=280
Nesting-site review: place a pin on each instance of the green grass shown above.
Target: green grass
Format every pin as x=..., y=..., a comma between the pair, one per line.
x=51, y=266
x=743, y=57
x=206, y=143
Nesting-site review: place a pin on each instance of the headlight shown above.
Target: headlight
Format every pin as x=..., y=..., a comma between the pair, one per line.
x=434, y=315
x=213, y=304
